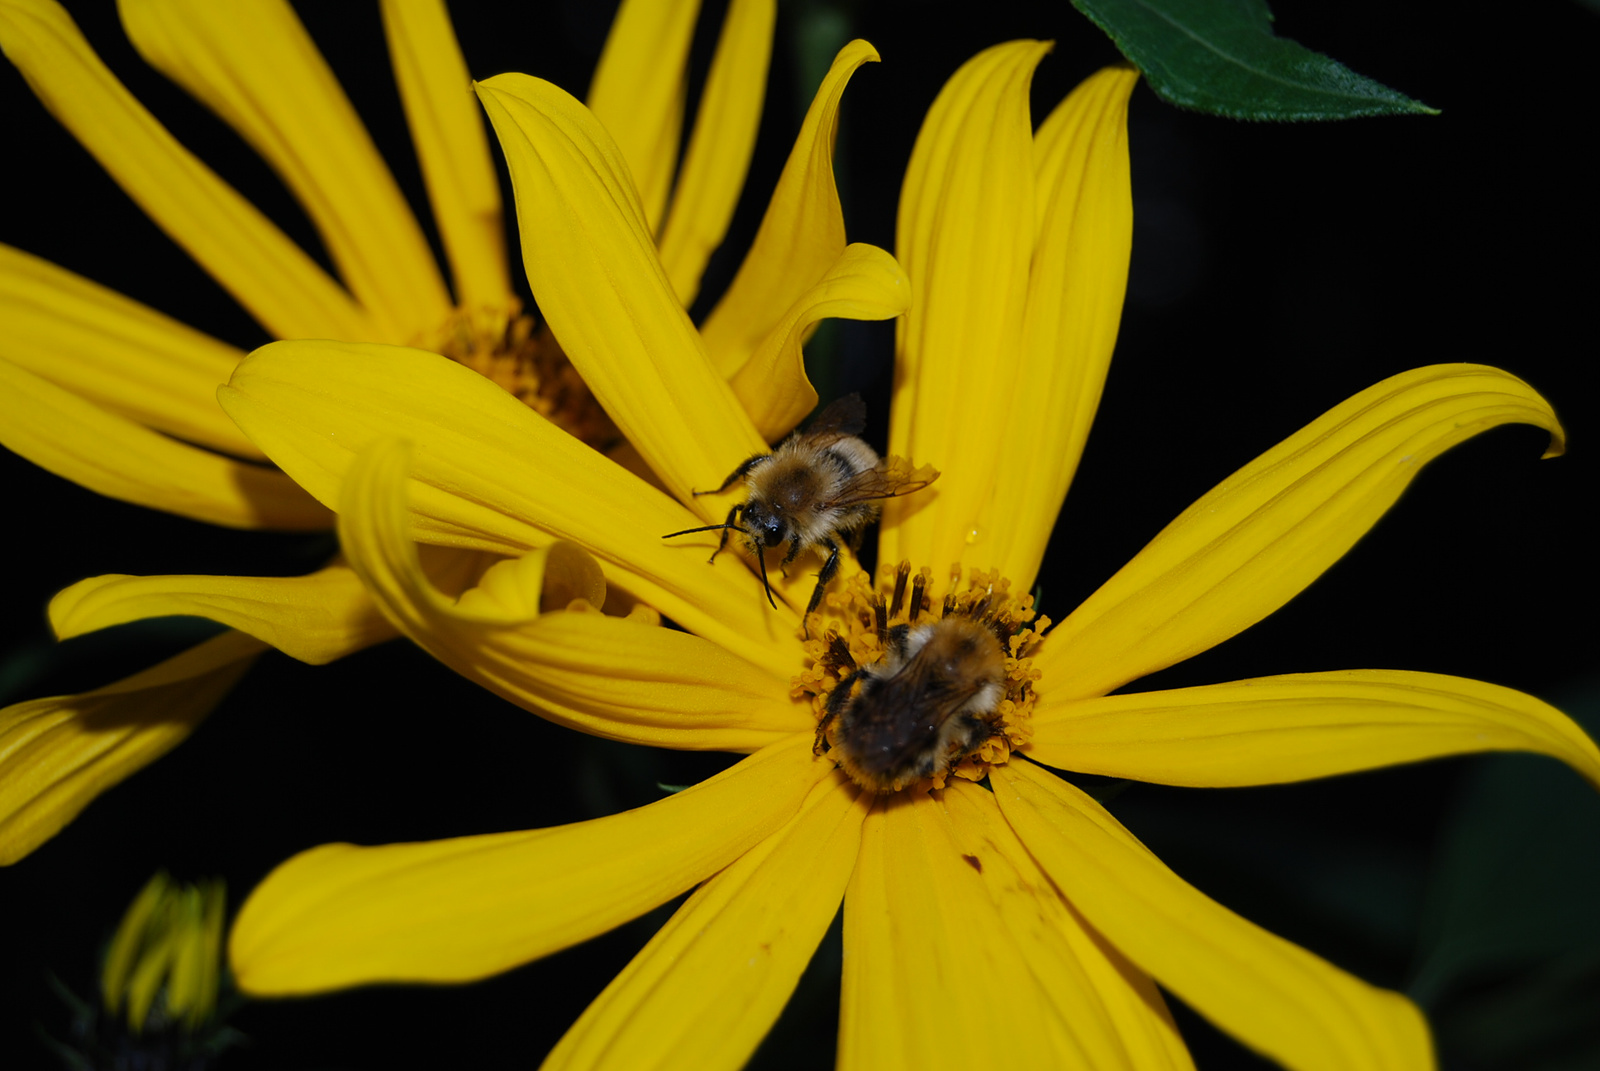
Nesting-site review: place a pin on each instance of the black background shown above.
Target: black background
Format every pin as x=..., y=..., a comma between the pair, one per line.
x=1277, y=269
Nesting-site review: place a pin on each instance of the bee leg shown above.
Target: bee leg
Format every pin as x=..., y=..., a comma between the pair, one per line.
x=829, y=568
x=738, y=474
x=836, y=701
x=733, y=515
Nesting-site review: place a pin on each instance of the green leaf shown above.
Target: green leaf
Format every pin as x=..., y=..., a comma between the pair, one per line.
x=1220, y=56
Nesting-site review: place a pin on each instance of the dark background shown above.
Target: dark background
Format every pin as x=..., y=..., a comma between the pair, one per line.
x=1277, y=269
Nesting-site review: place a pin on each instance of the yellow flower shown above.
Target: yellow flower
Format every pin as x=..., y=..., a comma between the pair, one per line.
x=1018, y=925
x=162, y=967
x=121, y=399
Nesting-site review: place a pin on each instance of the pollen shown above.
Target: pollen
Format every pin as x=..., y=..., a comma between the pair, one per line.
x=503, y=345
x=883, y=644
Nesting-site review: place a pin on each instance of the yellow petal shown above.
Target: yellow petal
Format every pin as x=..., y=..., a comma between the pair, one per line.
x=254, y=261
x=117, y=353
x=710, y=984
x=315, y=618
x=1273, y=996
x=920, y=938
x=113, y=456
x=1255, y=541
x=1290, y=728
x=447, y=129
x=491, y=474
x=639, y=89
x=719, y=151
x=124, y=946
x=593, y=268
x=256, y=67
x=965, y=237
x=1107, y=1012
x=609, y=676
x=58, y=754
x=801, y=235
x=465, y=908
x=865, y=283
x=1075, y=290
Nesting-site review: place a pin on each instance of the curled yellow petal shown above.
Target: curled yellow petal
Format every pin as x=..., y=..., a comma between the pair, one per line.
x=714, y=978
x=1259, y=537
x=113, y=456
x=256, y=67
x=315, y=618
x=490, y=474
x=1084, y=207
x=244, y=251
x=465, y=908
x=965, y=236
x=593, y=268
x=613, y=677
x=639, y=89
x=1276, y=729
x=865, y=283
x=1273, y=996
x=801, y=235
x=119, y=354
x=58, y=754
x=720, y=145
x=447, y=129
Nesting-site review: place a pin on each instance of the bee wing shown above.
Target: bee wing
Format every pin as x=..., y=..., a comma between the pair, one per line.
x=843, y=417
x=890, y=479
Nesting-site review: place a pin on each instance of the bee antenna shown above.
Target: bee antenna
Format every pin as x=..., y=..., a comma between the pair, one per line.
x=762, y=558
x=707, y=528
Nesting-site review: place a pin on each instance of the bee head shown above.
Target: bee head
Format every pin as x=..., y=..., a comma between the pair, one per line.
x=764, y=524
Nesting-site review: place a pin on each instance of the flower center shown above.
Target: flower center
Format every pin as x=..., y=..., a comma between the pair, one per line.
x=502, y=344
x=909, y=689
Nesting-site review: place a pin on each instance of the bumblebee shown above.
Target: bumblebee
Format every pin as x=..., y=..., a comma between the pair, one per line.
x=927, y=704
x=819, y=487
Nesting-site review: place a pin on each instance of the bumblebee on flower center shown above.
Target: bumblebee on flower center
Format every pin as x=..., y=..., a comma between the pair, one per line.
x=909, y=689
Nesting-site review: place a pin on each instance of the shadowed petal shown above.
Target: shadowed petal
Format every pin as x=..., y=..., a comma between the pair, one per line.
x=1075, y=290
x=465, y=908
x=719, y=150
x=1290, y=728
x=1273, y=996
x=1256, y=540
x=245, y=252
x=965, y=236
x=593, y=268
x=58, y=754
x=113, y=456
x=119, y=354
x=1108, y=1011
x=315, y=618
x=865, y=283
x=491, y=474
x=707, y=988
x=639, y=89
x=617, y=678
x=256, y=67
x=801, y=235
x=447, y=129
